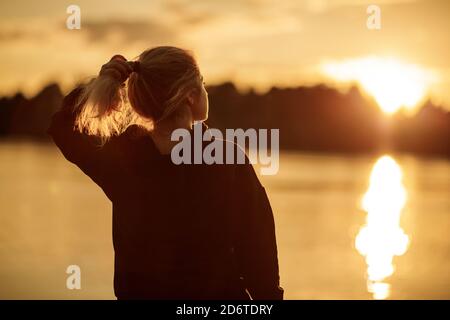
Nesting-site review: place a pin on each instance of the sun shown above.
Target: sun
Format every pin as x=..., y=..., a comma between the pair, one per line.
x=392, y=83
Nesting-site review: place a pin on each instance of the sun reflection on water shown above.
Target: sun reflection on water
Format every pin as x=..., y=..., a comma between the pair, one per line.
x=382, y=238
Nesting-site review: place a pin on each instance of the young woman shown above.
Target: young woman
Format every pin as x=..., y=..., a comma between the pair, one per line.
x=179, y=231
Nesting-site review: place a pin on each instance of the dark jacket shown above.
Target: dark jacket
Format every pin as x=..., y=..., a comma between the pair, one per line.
x=179, y=231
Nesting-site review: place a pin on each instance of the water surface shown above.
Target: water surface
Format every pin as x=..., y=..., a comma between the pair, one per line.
x=332, y=243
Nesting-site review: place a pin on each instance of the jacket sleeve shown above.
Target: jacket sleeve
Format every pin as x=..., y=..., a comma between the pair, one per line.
x=255, y=241
x=81, y=149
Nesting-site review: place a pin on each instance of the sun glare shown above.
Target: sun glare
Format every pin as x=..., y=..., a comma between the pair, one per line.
x=392, y=83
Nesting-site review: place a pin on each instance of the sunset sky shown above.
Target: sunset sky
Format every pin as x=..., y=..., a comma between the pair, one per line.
x=255, y=43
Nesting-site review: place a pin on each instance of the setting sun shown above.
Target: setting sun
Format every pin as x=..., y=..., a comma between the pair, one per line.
x=392, y=83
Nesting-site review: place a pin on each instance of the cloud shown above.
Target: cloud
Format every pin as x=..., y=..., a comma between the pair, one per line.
x=128, y=31
x=9, y=35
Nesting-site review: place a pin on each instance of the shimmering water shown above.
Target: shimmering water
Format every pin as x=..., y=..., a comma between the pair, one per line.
x=348, y=227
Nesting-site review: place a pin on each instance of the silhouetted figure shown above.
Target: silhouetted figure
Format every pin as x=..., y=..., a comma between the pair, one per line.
x=179, y=231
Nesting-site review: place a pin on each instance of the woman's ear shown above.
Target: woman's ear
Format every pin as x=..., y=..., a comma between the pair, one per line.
x=190, y=100
x=191, y=97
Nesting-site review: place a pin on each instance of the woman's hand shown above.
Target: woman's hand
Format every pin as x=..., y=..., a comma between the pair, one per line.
x=117, y=67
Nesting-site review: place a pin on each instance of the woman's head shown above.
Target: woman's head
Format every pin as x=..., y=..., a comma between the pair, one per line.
x=164, y=86
x=167, y=78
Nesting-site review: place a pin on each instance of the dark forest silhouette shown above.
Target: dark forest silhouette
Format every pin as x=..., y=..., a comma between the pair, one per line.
x=315, y=118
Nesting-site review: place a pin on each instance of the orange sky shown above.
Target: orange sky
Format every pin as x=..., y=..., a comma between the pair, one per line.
x=256, y=43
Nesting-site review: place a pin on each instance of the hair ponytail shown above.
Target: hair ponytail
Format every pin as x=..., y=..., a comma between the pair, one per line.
x=156, y=91
x=103, y=108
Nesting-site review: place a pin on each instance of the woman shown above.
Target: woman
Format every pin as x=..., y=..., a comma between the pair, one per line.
x=179, y=231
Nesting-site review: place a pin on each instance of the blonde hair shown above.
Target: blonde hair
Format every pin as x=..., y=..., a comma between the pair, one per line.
x=155, y=91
